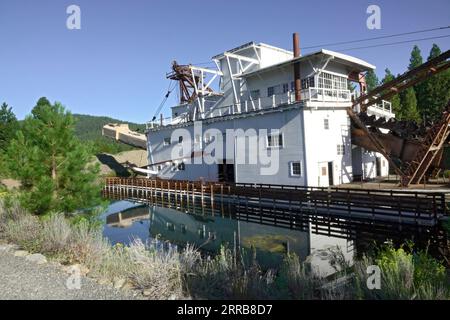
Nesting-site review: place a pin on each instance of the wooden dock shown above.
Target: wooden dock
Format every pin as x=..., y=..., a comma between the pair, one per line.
x=291, y=206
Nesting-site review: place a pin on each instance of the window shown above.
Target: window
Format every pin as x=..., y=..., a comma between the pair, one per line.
x=326, y=124
x=285, y=87
x=167, y=141
x=340, y=149
x=275, y=140
x=181, y=166
x=296, y=169
x=273, y=90
x=159, y=168
x=331, y=81
x=180, y=139
x=307, y=82
x=255, y=94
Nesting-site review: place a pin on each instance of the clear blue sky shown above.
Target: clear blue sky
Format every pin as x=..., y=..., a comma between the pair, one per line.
x=116, y=64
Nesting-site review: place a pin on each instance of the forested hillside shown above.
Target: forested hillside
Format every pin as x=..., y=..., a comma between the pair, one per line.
x=89, y=128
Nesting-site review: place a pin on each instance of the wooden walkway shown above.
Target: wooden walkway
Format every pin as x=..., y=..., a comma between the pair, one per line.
x=284, y=204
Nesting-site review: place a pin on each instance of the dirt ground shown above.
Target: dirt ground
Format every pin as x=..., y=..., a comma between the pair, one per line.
x=10, y=184
x=116, y=164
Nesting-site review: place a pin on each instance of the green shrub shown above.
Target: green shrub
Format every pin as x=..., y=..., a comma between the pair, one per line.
x=405, y=274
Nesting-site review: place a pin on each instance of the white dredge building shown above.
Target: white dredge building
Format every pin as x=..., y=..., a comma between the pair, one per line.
x=300, y=100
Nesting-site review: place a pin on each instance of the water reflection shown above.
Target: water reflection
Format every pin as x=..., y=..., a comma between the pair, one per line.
x=125, y=222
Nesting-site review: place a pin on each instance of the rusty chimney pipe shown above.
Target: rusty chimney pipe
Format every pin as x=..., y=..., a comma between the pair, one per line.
x=297, y=81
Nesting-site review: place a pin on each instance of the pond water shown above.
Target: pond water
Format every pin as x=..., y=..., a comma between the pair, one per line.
x=126, y=221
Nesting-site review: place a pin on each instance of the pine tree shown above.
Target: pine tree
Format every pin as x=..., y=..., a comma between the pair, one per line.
x=436, y=91
x=408, y=109
x=8, y=126
x=395, y=100
x=371, y=80
x=51, y=163
x=416, y=58
x=414, y=61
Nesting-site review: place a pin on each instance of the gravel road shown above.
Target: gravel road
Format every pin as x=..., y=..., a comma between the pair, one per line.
x=27, y=280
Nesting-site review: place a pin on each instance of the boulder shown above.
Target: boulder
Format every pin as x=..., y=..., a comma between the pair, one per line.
x=37, y=258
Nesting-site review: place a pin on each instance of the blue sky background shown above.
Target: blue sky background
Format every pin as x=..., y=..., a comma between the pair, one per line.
x=116, y=64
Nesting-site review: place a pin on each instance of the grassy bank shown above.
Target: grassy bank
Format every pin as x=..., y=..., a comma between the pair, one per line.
x=167, y=273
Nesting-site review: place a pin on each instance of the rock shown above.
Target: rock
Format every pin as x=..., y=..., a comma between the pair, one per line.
x=21, y=253
x=83, y=270
x=147, y=293
x=127, y=286
x=8, y=247
x=118, y=283
x=37, y=258
x=103, y=282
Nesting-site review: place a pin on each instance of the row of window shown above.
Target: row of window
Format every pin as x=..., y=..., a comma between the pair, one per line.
x=273, y=140
x=284, y=88
x=325, y=81
x=197, y=139
x=175, y=167
x=331, y=81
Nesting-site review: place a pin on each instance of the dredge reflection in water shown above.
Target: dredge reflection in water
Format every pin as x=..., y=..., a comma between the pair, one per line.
x=313, y=239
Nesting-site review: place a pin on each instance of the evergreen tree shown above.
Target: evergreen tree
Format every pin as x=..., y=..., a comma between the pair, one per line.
x=371, y=80
x=408, y=109
x=436, y=91
x=395, y=100
x=416, y=58
x=8, y=126
x=51, y=163
x=414, y=61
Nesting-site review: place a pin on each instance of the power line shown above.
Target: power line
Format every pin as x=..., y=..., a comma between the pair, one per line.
x=376, y=38
x=394, y=43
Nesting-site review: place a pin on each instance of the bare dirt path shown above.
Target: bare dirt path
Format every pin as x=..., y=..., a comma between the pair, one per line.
x=26, y=280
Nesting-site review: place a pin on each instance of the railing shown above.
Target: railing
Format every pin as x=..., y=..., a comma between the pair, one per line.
x=409, y=207
x=263, y=103
x=384, y=106
x=260, y=103
x=161, y=122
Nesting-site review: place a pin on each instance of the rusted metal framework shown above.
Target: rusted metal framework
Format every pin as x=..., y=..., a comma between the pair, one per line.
x=194, y=85
x=410, y=149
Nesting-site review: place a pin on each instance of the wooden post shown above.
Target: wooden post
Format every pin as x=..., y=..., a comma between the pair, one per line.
x=202, y=193
x=193, y=196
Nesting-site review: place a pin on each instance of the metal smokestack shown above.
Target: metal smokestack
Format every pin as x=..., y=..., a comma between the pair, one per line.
x=297, y=81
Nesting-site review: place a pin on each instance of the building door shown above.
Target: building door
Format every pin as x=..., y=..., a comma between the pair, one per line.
x=378, y=166
x=323, y=175
x=330, y=173
x=226, y=172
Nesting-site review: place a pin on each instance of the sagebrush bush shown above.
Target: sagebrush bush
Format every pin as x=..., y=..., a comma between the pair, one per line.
x=155, y=269
x=404, y=275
